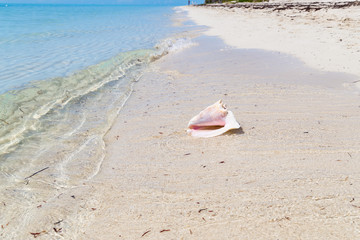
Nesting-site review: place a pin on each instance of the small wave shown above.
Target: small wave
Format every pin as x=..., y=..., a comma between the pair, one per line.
x=58, y=124
x=172, y=45
x=21, y=110
x=58, y=115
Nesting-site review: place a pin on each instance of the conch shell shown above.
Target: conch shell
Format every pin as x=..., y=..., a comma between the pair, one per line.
x=212, y=121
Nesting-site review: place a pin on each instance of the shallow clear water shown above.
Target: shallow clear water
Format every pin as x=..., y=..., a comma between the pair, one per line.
x=42, y=41
x=54, y=57
x=65, y=73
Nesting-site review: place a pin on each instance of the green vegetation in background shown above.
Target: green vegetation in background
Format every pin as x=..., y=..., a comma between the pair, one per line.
x=233, y=1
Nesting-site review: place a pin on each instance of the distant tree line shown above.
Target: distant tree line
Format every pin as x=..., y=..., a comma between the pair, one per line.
x=234, y=1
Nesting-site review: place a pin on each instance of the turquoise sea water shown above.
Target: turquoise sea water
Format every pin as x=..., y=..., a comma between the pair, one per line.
x=65, y=73
x=38, y=42
x=52, y=57
x=55, y=60
x=66, y=69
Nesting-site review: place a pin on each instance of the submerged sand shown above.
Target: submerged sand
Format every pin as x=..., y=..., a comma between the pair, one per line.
x=290, y=172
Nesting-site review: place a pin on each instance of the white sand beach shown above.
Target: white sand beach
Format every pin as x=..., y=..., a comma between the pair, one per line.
x=292, y=171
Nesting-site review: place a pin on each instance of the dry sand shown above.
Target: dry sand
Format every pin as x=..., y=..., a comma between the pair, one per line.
x=326, y=39
x=291, y=172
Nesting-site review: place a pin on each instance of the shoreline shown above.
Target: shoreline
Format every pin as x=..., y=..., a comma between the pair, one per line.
x=62, y=140
x=291, y=170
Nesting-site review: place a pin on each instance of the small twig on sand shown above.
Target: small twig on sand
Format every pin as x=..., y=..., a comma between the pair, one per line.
x=36, y=173
x=58, y=221
x=36, y=234
x=203, y=209
x=145, y=233
x=4, y=121
x=57, y=229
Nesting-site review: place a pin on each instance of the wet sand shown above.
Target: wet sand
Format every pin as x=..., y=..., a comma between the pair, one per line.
x=291, y=171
